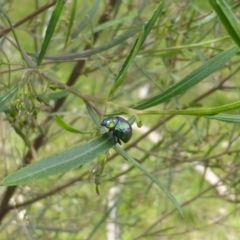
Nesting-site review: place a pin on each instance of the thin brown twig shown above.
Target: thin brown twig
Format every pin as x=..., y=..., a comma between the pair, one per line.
x=28, y=17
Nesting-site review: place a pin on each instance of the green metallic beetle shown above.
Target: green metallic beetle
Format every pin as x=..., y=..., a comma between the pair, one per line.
x=120, y=128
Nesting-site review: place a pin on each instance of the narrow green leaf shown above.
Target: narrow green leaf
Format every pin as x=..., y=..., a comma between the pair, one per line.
x=71, y=21
x=94, y=116
x=169, y=51
x=109, y=24
x=60, y=162
x=137, y=45
x=88, y=16
x=118, y=40
x=50, y=29
x=231, y=118
x=190, y=80
x=194, y=111
x=227, y=18
x=67, y=127
x=148, y=27
x=149, y=175
x=7, y=96
x=124, y=69
x=58, y=94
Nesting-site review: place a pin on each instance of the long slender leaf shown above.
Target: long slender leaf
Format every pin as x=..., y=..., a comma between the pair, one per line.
x=50, y=29
x=88, y=16
x=231, y=118
x=67, y=127
x=94, y=117
x=71, y=21
x=7, y=96
x=149, y=175
x=194, y=111
x=139, y=42
x=123, y=71
x=166, y=52
x=60, y=162
x=190, y=80
x=108, y=24
x=227, y=18
x=118, y=40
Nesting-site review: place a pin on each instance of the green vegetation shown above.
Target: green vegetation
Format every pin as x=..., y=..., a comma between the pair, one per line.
x=170, y=68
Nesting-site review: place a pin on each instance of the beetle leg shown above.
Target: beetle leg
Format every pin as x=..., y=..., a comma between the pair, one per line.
x=115, y=140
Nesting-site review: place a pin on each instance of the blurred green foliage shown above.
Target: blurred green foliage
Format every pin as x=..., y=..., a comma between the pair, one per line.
x=174, y=81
